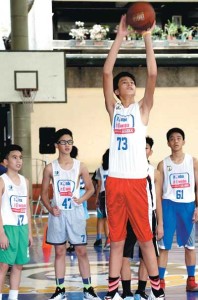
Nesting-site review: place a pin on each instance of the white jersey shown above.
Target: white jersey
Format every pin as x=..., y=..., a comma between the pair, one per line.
x=102, y=174
x=65, y=185
x=14, y=202
x=128, y=142
x=151, y=173
x=179, y=181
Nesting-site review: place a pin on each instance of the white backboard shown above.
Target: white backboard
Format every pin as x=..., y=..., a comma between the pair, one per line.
x=41, y=70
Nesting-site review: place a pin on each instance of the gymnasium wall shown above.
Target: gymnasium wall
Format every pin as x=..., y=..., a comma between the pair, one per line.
x=86, y=116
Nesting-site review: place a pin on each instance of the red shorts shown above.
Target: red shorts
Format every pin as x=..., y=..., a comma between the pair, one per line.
x=127, y=199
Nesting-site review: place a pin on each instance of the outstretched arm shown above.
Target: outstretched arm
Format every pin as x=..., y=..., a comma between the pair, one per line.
x=109, y=64
x=147, y=101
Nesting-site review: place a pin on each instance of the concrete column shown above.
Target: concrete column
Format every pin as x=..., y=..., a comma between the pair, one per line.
x=21, y=117
x=19, y=24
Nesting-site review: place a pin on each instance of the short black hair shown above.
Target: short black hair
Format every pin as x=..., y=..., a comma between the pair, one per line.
x=60, y=133
x=120, y=75
x=7, y=149
x=149, y=141
x=74, y=152
x=175, y=130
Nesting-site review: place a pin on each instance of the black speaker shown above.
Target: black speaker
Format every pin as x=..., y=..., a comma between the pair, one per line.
x=46, y=145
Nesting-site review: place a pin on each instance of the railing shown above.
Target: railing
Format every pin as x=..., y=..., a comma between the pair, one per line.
x=137, y=44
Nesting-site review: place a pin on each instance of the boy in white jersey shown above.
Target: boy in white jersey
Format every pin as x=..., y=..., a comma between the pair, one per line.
x=66, y=221
x=101, y=176
x=157, y=227
x=179, y=173
x=15, y=220
x=128, y=167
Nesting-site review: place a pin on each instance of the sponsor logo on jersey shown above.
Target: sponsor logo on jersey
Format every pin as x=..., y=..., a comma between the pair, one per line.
x=123, y=124
x=18, y=204
x=66, y=187
x=180, y=180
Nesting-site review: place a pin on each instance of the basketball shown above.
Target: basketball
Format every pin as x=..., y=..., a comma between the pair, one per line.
x=140, y=16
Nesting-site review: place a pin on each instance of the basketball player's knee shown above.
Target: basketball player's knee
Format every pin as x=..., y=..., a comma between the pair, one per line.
x=3, y=267
x=146, y=245
x=81, y=251
x=60, y=252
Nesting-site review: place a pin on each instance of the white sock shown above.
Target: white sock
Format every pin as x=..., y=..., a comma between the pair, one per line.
x=13, y=295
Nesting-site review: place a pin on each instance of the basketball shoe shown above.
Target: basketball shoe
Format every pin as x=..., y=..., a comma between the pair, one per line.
x=89, y=294
x=116, y=297
x=191, y=285
x=128, y=297
x=152, y=296
x=140, y=295
x=59, y=294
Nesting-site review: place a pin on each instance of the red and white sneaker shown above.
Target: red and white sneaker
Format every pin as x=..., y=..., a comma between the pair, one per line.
x=191, y=285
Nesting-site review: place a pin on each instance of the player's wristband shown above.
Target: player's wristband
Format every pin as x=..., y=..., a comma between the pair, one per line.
x=146, y=32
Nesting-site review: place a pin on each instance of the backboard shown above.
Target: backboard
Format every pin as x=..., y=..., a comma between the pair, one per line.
x=40, y=71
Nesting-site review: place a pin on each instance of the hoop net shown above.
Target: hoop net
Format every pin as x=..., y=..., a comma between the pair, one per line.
x=27, y=97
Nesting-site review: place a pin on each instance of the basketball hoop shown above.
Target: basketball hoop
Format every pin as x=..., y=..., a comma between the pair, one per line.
x=27, y=97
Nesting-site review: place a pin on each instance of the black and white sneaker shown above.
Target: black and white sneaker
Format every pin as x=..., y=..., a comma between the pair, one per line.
x=59, y=294
x=89, y=294
x=152, y=296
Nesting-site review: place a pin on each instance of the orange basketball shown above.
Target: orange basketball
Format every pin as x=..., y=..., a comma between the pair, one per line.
x=140, y=16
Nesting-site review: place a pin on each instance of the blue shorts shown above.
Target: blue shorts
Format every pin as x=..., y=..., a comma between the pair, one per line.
x=177, y=217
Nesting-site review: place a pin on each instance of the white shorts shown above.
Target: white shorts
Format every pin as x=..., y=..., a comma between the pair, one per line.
x=69, y=226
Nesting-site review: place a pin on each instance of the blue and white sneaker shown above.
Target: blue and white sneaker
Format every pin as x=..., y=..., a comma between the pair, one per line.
x=139, y=295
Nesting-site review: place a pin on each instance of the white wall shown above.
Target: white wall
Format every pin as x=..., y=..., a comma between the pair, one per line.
x=40, y=25
x=5, y=22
